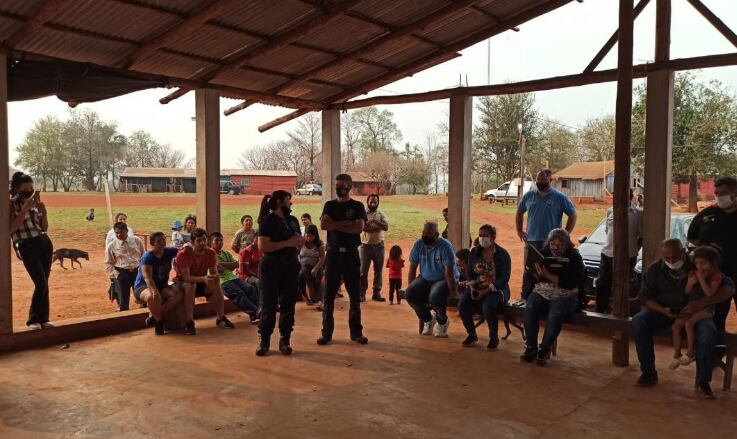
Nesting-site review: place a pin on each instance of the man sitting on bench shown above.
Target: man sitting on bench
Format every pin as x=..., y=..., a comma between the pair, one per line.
x=198, y=276
x=662, y=294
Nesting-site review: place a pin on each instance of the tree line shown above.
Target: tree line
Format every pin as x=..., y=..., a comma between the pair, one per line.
x=83, y=151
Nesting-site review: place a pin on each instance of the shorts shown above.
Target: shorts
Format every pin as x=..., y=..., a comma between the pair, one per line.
x=137, y=292
x=200, y=289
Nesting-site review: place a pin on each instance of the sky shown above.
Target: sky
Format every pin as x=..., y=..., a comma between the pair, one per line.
x=561, y=42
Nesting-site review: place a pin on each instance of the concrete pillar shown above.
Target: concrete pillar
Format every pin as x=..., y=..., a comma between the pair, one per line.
x=6, y=283
x=330, y=152
x=207, y=110
x=459, y=170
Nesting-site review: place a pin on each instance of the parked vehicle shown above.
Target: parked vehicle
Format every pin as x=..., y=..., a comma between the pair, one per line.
x=230, y=188
x=590, y=249
x=310, y=189
x=506, y=191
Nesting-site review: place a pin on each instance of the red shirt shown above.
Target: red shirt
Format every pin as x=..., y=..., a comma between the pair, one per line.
x=197, y=263
x=249, y=256
x=395, y=268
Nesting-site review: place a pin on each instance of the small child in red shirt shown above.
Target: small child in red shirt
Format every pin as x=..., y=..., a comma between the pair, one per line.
x=395, y=263
x=250, y=259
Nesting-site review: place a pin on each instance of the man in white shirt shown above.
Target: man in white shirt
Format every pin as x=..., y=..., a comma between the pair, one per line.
x=372, y=247
x=604, y=282
x=120, y=217
x=122, y=258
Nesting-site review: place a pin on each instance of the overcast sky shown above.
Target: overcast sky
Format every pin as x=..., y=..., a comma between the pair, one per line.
x=562, y=42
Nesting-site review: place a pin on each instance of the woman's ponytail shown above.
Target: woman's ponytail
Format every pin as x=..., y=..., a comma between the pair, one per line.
x=264, y=211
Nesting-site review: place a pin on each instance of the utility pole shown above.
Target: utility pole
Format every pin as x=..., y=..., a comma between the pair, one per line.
x=521, y=186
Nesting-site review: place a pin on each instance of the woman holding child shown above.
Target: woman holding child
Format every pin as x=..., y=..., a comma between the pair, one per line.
x=486, y=287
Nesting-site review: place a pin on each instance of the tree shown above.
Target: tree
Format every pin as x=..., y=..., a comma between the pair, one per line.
x=307, y=139
x=596, y=140
x=704, y=131
x=91, y=140
x=377, y=130
x=41, y=151
x=496, y=138
x=350, y=139
x=556, y=148
x=436, y=155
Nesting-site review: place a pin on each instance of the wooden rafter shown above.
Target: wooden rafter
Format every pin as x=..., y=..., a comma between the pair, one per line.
x=43, y=14
x=239, y=107
x=613, y=40
x=187, y=26
x=715, y=21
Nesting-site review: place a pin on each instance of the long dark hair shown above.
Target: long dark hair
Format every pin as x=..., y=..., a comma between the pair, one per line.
x=312, y=230
x=395, y=253
x=268, y=203
x=18, y=179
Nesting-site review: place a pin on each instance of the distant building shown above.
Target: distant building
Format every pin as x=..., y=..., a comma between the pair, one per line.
x=363, y=184
x=586, y=180
x=255, y=182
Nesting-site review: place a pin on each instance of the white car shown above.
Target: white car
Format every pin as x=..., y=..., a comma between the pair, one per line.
x=508, y=190
x=310, y=189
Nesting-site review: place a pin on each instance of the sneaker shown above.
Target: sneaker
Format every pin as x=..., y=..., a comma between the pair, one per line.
x=35, y=326
x=150, y=321
x=189, y=328
x=159, y=327
x=529, y=355
x=469, y=341
x=360, y=339
x=284, y=347
x=323, y=340
x=224, y=323
x=647, y=379
x=685, y=360
x=493, y=344
x=543, y=355
x=47, y=325
x=443, y=329
x=378, y=298
x=674, y=363
x=705, y=391
x=428, y=327
x=521, y=302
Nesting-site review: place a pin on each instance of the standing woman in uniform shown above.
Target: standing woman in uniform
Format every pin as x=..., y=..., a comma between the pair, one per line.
x=279, y=240
x=28, y=226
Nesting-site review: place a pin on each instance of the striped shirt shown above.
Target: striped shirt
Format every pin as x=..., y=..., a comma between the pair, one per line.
x=31, y=226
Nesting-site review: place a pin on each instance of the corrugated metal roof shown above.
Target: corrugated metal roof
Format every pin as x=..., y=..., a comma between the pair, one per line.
x=586, y=170
x=110, y=32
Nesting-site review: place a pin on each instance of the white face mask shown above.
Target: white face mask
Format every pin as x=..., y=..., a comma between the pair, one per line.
x=675, y=266
x=725, y=201
x=485, y=241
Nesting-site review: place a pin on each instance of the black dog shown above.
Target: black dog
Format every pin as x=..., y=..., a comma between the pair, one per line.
x=509, y=319
x=69, y=253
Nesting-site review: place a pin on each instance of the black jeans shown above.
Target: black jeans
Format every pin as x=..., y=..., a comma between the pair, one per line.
x=36, y=253
x=345, y=266
x=124, y=284
x=527, y=280
x=278, y=284
x=315, y=282
x=394, y=286
x=604, y=282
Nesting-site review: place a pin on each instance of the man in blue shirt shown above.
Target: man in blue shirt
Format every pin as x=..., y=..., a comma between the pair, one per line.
x=437, y=281
x=545, y=207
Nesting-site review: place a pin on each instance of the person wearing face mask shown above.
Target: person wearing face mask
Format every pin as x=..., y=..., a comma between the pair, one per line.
x=717, y=225
x=604, y=282
x=344, y=220
x=663, y=297
x=437, y=282
x=28, y=226
x=545, y=207
x=372, y=247
x=279, y=240
x=557, y=293
x=487, y=257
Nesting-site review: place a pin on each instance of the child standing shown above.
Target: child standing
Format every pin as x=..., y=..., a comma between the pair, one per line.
x=312, y=259
x=91, y=215
x=702, y=282
x=395, y=263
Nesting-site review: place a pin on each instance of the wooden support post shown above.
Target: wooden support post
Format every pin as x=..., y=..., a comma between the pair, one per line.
x=207, y=110
x=330, y=152
x=6, y=283
x=623, y=134
x=658, y=142
x=459, y=170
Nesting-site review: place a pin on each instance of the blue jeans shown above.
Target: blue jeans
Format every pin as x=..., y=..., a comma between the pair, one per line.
x=489, y=305
x=527, y=284
x=423, y=295
x=243, y=294
x=647, y=322
x=553, y=312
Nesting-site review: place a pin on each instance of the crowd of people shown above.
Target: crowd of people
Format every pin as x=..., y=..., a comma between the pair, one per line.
x=280, y=262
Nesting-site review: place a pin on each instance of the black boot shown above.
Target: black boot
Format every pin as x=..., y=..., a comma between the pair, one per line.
x=529, y=355
x=263, y=346
x=284, y=347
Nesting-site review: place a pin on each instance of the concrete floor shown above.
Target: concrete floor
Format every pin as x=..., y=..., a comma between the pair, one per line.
x=400, y=385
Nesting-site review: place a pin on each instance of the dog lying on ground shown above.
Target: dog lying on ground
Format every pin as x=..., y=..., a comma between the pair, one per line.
x=69, y=253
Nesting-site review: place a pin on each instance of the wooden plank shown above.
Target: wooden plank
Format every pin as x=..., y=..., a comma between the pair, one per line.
x=623, y=134
x=207, y=110
x=330, y=152
x=281, y=120
x=715, y=21
x=6, y=281
x=460, y=126
x=604, y=51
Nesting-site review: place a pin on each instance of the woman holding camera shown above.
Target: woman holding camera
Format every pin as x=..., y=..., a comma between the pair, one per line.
x=28, y=227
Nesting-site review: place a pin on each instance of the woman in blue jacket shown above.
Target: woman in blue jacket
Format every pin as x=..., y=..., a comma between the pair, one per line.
x=486, y=287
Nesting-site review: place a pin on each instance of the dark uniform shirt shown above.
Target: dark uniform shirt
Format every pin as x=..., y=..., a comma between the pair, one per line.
x=715, y=226
x=341, y=211
x=280, y=229
x=665, y=286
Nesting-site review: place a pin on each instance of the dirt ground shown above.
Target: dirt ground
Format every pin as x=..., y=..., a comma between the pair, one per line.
x=400, y=385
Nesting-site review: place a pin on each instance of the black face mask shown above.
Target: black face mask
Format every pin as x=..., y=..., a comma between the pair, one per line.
x=25, y=194
x=341, y=191
x=428, y=240
x=542, y=187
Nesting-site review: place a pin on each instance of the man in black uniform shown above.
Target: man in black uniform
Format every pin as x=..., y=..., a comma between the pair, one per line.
x=343, y=218
x=717, y=225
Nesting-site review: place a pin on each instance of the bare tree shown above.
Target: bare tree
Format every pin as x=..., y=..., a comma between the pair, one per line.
x=307, y=140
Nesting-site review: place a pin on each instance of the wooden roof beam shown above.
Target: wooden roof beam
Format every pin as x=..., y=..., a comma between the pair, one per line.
x=607, y=47
x=45, y=12
x=715, y=21
x=239, y=107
